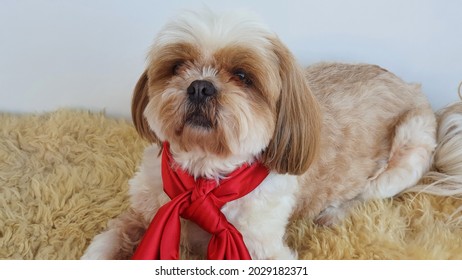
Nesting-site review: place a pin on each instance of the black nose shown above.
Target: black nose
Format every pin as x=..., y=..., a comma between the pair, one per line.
x=199, y=90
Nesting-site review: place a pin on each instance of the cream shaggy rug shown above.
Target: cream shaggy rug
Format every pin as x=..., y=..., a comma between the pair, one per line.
x=64, y=174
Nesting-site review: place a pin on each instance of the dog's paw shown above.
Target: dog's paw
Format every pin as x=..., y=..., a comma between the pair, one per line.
x=103, y=247
x=285, y=253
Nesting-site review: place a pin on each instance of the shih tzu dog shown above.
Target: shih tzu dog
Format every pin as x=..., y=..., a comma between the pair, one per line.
x=222, y=91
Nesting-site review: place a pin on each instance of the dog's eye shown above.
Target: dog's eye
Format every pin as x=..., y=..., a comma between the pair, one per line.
x=242, y=76
x=176, y=67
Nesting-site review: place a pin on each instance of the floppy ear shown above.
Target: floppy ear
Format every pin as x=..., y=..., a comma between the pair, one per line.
x=298, y=122
x=139, y=102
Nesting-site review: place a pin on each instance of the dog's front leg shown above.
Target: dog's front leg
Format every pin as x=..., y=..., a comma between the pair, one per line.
x=262, y=217
x=125, y=232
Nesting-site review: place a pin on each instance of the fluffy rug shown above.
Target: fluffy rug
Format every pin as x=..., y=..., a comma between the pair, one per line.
x=64, y=174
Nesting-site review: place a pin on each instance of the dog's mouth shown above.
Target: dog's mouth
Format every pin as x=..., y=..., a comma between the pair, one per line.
x=199, y=120
x=201, y=115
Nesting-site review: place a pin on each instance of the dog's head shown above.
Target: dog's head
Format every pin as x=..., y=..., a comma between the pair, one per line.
x=225, y=86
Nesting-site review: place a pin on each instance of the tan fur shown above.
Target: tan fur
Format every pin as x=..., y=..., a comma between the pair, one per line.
x=139, y=101
x=445, y=177
x=295, y=142
x=361, y=106
x=447, y=159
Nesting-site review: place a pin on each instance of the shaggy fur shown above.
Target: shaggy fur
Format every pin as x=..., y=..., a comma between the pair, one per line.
x=63, y=176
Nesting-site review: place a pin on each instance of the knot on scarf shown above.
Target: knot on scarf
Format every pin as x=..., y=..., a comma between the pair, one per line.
x=200, y=201
x=204, y=208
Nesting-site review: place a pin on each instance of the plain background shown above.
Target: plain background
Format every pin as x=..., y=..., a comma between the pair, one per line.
x=88, y=54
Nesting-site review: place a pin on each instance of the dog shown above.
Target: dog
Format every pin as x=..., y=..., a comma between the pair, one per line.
x=224, y=91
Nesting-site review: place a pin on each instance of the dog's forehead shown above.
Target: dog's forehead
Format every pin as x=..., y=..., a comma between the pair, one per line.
x=211, y=31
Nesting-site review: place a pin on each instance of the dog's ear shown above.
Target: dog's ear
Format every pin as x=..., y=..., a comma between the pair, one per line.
x=139, y=102
x=298, y=123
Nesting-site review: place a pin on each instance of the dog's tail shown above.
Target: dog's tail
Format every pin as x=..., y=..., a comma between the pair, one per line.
x=445, y=176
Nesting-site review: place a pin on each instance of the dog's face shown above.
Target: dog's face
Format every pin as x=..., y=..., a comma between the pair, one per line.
x=225, y=86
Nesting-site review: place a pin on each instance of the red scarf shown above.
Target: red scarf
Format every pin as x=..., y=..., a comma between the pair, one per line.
x=199, y=201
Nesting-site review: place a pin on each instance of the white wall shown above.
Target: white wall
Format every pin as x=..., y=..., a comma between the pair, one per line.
x=89, y=53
